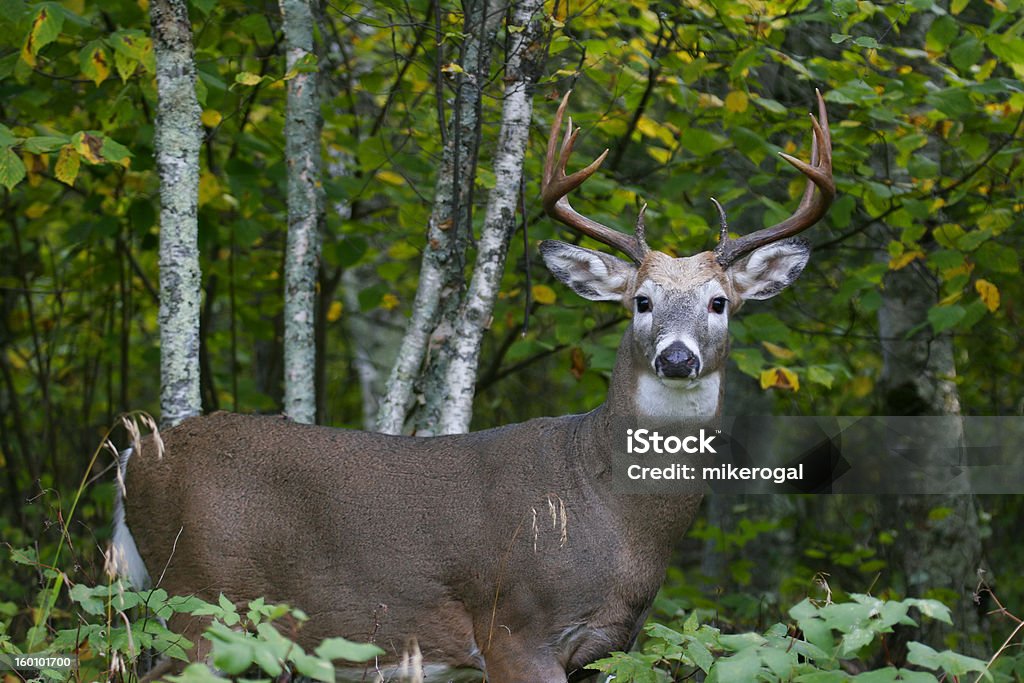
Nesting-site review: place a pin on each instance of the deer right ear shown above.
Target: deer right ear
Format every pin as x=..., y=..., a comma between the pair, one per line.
x=591, y=274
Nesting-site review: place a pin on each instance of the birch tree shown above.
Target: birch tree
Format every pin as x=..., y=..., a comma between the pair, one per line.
x=523, y=67
x=302, y=148
x=441, y=271
x=177, y=142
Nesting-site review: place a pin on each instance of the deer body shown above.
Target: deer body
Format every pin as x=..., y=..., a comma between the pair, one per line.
x=507, y=550
x=497, y=550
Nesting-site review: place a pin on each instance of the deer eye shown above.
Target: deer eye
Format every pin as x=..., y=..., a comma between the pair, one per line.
x=718, y=304
x=643, y=304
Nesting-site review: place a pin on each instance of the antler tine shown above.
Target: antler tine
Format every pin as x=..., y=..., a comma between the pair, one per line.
x=821, y=190
x=556, y=185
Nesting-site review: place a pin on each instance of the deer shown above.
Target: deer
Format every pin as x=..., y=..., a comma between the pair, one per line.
x=508, y=551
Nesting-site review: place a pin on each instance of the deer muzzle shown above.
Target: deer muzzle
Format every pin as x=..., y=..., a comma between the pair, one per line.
x=676, y=361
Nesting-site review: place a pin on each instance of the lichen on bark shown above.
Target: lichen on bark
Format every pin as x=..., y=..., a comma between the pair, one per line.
x=178, y=138
x=303, y=125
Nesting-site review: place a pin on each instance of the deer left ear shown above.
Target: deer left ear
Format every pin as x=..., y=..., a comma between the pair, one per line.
x=770, y=269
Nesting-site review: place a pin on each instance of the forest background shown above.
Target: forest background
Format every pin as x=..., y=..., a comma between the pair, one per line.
x=908, y=306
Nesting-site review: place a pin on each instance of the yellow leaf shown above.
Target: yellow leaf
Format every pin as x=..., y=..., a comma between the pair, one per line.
x=334, y=312
x=66, y=168
x=46, y=28
x=989, y=293
x=247, y=78
x=402, y=250
x=543, y=294
x=650, y=128
x=36, y=209
x=390, y=177
x=211, y=118
x=389, y=302
x=778, y=351
x=707, y=101
x=780, y=378
x=660, y=155
x=95, y=63
x=737, y=101
x=904, y=259
x=209, y=188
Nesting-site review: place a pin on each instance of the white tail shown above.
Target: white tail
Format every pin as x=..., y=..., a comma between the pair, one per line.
x=504, y=550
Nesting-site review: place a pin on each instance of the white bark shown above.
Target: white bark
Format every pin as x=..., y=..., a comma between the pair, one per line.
x=499, y=222
x=302, y=149
x=442, y=255
x=178, y=137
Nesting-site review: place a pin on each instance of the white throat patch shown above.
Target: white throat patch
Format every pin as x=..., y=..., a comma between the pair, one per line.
x=658, y=399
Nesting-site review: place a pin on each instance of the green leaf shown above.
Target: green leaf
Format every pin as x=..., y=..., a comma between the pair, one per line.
x=997, y=257
x=314, y=667
x=744, y=666
x=820, y=375
x=855, y=640
x=66, y=167
x=839, y=38
x=340, y=648
x=749, y=361
x=94, y=60
x=86, y=596
x=886, y=675
x=941, y=34
x=951, y=662
x=933, y=609
x=12, y=168
x=233, y=657
x=46, y=28
x=196, y=673
x=943, y=318
x=43, y=144
x=866, y=41
x=248, y=78
x=7, y=137
x=955, y=102
x=115, y=152
x=125, y=66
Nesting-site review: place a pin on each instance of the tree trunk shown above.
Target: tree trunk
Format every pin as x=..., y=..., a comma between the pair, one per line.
x=305, y=208
x=178, y=137
x=462, y=353
x=939, y=554
x=449, y=227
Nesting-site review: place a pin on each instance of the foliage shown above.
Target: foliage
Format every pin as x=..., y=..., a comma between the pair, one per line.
x=116, y=627
x=694, y=99
x=824, y=643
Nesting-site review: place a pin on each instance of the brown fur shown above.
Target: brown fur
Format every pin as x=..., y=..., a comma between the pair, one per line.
x=388, y=539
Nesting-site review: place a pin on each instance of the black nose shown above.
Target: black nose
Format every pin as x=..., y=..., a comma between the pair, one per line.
x=677, y=361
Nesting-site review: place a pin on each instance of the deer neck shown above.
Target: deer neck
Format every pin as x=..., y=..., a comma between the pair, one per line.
x=636, y=398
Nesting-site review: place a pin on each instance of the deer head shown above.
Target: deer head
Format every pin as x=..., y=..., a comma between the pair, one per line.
x=681, y=306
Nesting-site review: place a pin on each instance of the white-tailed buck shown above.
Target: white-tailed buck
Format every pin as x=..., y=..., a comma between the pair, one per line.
x=506, y=551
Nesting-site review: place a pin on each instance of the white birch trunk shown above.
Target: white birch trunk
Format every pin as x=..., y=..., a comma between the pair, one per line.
x=178, y=137
x=442, y=255
x=302, y=149
x=522, y=71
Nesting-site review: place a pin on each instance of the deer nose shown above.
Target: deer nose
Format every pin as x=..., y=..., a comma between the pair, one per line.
x=677, y=361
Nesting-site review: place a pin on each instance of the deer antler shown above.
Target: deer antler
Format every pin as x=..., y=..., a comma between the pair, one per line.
x=813, y=205
x=555, y=185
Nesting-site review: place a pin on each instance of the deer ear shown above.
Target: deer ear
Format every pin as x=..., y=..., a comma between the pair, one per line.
x=770, y=269
x=591, y=274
